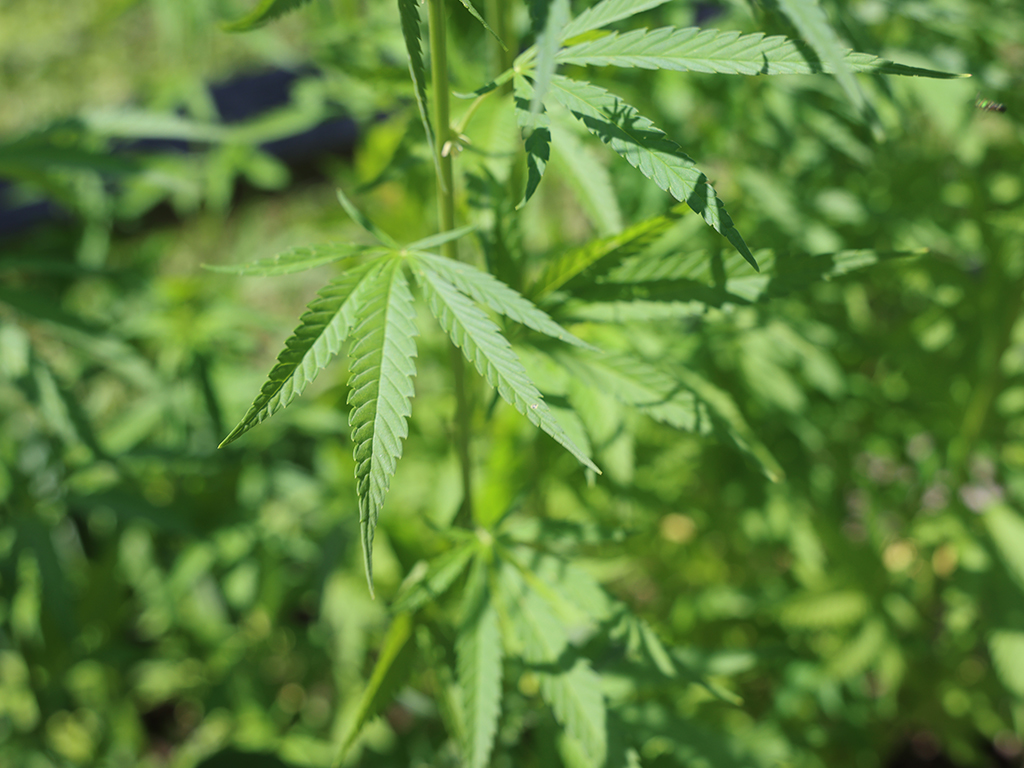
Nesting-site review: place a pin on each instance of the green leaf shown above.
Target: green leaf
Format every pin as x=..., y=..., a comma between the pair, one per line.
x=642, y=386
x=537, y=631
x=605, y=13
x=494, y=294
x=479, y=653
x=482, y=343
x=382, y=370
x=680, y=398
x=685, y=282
x=360, y=218
x=441, y=574
x=321, y=332
x=599, y=253
x=574, y=694
x=412, y=32
x=812, y=23
x=648, y=149
x=536, y=130
x=709, y=50
x=590, y=180
x=440, y=238
x=577, y=700
x=266, y=11
x=476, y=15
x=548, y=42
x=392, y=669
x=296, y=260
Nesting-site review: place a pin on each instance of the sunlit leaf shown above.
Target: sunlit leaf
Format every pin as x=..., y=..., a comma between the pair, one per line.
x=649, y=150
x=483, y=345
x=381, y=389
x=693, y=49
x=321, y=332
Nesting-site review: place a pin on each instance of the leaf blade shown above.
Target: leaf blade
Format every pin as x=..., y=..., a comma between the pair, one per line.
x=412, y=33
x=644, y=146
x=606, y=13
x=536, y=132
x=381, y=375
x=691, y=49
x=483, y=345
x=488, y=290
x=322, y=329
x=479, y=656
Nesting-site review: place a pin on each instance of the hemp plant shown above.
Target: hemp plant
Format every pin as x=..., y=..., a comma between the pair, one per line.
x=502, y=600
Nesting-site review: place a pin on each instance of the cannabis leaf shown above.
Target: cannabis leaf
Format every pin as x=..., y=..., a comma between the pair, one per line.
x=486, y=289
x=409, y=12
x=479, y=652
x=536, y=130
x=483, y=22
x=680, y=398
x=693, y=49
x=322, y=330
x=648, y=149
x=599, y=253
x=483, y=345
x=605, y=13
x=382, y=370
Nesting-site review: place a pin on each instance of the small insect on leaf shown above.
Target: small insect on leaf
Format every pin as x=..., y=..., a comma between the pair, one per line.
x=987, y=105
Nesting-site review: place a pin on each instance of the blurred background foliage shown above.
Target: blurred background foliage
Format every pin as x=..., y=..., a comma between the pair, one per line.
x=161, y=601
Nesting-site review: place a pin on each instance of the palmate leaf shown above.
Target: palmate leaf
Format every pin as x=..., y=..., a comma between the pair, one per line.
x=693, y=49
x=479, y=653
x=382, y=370
x=605, y=13
x=574, y=694
x=483, y=287
x=297, y=260
x=483, y=345
x=536, y=130
x=266, y=11
x=321, y=332
x=649, y=150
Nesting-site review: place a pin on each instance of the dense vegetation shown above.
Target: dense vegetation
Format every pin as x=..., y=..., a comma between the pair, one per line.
x=758, y=518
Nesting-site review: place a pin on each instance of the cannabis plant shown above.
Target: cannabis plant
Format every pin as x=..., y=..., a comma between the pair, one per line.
x=500, y=598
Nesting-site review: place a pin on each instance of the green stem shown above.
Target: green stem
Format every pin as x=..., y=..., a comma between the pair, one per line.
x=446, y=223
x=442, y=122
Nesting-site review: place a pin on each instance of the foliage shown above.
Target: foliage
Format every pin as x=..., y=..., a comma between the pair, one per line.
x=806, y=545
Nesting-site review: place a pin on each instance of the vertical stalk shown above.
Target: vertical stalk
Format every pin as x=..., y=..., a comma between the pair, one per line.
x=442, y=121
x=446, y=222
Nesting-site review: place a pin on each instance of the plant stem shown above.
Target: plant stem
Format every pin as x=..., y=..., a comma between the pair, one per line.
x=442, y=122
x=446, y=222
